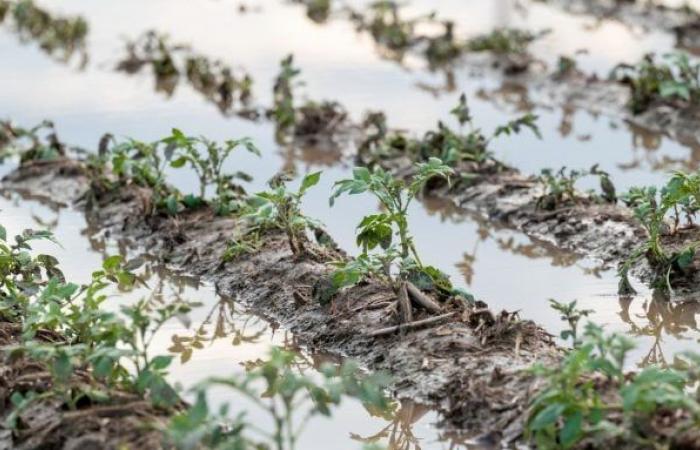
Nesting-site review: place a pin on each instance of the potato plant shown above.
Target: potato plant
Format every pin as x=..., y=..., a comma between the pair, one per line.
x=589, y=398
x=280, y=208
x=678, y=199
x=675, y=81
x=397, y=262
x=276, y=388
x=466, y=150
x=560, y=187
x=207, y=159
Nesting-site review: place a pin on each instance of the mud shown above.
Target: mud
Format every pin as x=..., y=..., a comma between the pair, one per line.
x=635, y=13
x=124, y=421
x=427, y=364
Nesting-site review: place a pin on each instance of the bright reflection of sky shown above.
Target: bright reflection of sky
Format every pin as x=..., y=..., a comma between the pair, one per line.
x=339, y=64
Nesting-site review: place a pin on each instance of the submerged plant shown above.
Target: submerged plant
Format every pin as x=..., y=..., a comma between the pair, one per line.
x=281, y=208
x=169, y=62
x=58, y=36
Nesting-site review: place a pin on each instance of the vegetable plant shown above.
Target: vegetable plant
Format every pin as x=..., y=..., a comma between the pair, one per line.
x=675, y=81
x=207, y=158
x=652, y=208
x=589, y=397
x=289, y=398
x=283, y=111
x=281, y=208
x=469, y=150
x=398, y=262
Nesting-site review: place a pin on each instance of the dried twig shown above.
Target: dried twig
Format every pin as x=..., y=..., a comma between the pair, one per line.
x=411, y=325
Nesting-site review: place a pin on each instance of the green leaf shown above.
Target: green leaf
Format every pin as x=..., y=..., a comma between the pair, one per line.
x=309, y=181
x=112, y=263
x=572, y=430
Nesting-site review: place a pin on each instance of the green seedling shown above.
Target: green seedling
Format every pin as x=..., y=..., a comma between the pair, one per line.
x=454, y=148
x=651, y=209
x=589, y=396
x=560, y=187
x=39, y=143
x=503, y=41
x=675, y=81
x=207, y=158
x=280, y=208
x=572, y=315
x=398, y=262
x=275, y=388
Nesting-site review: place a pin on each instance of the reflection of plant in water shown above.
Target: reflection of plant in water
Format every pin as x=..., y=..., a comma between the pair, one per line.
x=661, y=317
x=60, y=37
x=221, y=322
x=213, y=79
x=288, y=398
x=398, y=433
x=316, y=10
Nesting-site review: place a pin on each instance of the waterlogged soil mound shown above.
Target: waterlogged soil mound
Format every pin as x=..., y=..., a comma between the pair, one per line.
x=428, y=363
x=634, y=13
x=123, y=421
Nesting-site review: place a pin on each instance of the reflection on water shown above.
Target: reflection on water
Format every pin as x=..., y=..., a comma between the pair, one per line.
x=660, y=318
x=505, y=268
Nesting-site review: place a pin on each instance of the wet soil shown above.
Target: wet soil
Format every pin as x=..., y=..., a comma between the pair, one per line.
x=427, y=363
x=122, y=421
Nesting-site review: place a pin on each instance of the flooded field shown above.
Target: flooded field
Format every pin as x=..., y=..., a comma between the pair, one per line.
x=101, y=87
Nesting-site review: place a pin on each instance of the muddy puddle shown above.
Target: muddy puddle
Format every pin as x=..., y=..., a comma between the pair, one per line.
x=504, y=267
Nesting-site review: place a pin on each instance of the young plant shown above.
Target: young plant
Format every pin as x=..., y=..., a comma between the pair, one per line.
x=676, y=81
x=207, y=158
x=589, y=398
x=560, y=187
x=571, y=314
x=503, y=41
x=651, y=208
x=39, y=143
x=469, y=151
x=281, y=208
x=290, y=399
x=398, y=262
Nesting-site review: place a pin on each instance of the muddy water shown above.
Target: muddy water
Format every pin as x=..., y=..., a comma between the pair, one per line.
x=505, y=268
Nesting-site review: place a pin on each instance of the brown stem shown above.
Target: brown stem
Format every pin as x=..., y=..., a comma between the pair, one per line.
x=410, y=325
x=405, y=310
x=422, y=300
